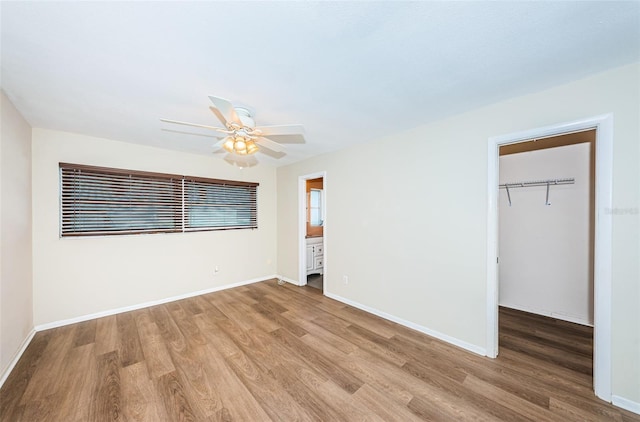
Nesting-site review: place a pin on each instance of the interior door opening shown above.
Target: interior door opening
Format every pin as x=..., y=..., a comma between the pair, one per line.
x=546, y=250
x=312, y=215
x=602, y=239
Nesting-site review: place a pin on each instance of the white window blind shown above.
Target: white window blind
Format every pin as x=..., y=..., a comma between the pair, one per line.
x=105, y=201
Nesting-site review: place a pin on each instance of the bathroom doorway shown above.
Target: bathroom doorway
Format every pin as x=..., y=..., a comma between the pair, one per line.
x=312, y=213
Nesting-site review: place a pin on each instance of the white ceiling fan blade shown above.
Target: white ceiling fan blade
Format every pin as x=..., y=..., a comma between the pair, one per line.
x=183, y=132
x=217, y=147
x=281, y=130
x=288, y=139
x=226, y=108
x=178, y=122
x=272, y=154
x=219, y=115
x=268, y=143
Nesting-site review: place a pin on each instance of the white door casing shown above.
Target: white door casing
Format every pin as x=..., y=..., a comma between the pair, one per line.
x=602, y=242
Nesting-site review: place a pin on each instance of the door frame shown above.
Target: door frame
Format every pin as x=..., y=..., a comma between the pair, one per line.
x=602, y=238
x=302, y=226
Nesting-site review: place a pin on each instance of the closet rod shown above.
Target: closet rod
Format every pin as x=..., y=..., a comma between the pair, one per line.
x=568, y=181
x=546, y=183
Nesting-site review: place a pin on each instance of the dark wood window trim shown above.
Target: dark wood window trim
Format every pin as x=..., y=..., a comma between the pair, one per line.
x=96, y=201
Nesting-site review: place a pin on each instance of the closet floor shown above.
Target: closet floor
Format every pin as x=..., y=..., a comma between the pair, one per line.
x=547, y=340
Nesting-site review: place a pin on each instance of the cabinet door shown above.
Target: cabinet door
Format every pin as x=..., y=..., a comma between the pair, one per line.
x=310, y=257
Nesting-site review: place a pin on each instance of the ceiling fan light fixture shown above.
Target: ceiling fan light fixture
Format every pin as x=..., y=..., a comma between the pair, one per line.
x=252, y=148
x=228, y=144
x=240, y=145
x=241, y=161
x=242, y=138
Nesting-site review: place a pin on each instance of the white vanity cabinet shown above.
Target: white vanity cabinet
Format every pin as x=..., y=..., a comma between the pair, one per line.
x=315, y=255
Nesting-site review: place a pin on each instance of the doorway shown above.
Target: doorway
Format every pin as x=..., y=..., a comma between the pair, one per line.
x=312, y=230
x=602, y=239
x=545, y=235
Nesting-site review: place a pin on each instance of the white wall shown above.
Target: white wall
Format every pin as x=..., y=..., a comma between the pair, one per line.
x=16, y=300
x=544, y=249
x=75, y=277
x=410, y=228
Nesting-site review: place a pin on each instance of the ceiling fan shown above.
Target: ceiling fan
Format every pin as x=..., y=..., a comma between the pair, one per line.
x=242, y=138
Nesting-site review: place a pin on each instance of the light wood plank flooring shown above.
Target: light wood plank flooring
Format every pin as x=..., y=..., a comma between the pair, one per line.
x=266, y=352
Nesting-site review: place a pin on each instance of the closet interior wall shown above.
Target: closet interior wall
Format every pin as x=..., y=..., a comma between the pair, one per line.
x=546, y=242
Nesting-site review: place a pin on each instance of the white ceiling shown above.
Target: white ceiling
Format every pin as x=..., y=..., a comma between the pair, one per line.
x=350, y=72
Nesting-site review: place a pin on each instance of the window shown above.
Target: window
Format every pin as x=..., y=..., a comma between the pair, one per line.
x=105, y=201
x=208, y=205
x=315, y=207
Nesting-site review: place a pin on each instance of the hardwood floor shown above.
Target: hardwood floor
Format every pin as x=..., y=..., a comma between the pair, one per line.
x=267, y=352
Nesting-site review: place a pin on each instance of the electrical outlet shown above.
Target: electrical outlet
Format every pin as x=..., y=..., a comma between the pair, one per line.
x=216, y=270
x=345, y=279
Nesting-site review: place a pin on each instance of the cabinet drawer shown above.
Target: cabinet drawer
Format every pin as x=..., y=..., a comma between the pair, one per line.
x=319, y=250
x=318, y=263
